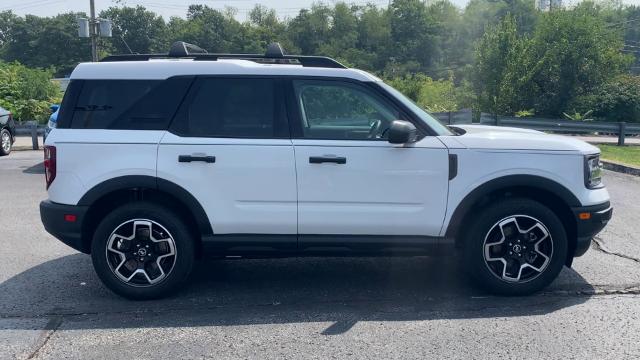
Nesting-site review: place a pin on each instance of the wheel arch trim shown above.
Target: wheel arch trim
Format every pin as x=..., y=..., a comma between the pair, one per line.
x=142, y=181
x=505, y=182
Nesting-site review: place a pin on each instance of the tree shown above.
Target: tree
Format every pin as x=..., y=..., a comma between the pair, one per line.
x=46, y=42
x=618, y=100
x=310, y=28
x=572, y=53
x=498, y=68
x=27, y=93
x=137, y=30
x=413, y=30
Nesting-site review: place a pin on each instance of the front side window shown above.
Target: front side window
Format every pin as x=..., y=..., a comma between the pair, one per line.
x=342, y=111
x=237, y=108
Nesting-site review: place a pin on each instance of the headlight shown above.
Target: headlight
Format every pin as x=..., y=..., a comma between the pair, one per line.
x=592, y=171
x=51, y=124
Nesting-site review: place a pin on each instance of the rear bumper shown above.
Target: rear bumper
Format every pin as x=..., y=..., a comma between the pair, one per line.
x=57, y=220
x=590, y=225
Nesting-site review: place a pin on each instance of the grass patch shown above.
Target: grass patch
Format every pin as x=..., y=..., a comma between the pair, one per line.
x=625, y=154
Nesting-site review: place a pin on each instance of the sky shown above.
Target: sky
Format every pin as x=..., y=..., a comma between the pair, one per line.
x=168, y=8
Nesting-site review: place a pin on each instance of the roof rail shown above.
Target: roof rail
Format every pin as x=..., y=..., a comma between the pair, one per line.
x=274, y=55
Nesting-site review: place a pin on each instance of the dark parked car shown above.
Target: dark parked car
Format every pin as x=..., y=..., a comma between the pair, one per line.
x=7, y=132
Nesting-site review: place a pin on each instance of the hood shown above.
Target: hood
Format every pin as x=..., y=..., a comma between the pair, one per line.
x=509, y=138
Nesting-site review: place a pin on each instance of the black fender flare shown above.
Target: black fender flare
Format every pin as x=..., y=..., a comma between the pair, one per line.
x=150, y=182
x=505, y=182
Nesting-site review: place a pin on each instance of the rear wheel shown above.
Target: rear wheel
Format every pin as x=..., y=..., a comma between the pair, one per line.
x=515, y=247
x=142, y=251
x=5, y=142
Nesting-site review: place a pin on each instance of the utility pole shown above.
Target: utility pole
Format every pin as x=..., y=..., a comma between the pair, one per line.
x=92, y=32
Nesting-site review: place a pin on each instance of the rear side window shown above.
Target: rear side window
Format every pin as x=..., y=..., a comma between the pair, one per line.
x=127, y=104
x=228, y=107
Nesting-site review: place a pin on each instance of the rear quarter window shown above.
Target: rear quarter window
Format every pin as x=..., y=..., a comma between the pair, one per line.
x=123, y=104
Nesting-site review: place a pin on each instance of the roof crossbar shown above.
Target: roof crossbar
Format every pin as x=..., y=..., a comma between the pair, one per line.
x=274, y=55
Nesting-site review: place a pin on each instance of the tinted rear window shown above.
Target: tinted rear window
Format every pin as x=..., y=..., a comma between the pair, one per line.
x=127, y=104
x=226, y=107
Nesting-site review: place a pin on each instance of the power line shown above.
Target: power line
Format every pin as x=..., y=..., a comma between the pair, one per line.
x=31, y=4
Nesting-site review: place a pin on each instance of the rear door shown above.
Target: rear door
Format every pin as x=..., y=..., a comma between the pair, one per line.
x=229, y=145
x=351, y=181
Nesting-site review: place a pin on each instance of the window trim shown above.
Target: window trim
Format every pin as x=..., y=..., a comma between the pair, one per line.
x=279, y=106
x=294, y=110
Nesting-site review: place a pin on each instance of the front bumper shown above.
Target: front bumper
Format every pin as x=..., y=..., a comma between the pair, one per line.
x=590, y=220
x=65, y=223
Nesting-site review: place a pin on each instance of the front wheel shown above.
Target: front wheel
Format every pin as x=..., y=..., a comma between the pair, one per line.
x=515, y=247
x=142, y=251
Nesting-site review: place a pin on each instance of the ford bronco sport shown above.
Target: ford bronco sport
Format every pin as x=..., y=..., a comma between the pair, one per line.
x=158, y=160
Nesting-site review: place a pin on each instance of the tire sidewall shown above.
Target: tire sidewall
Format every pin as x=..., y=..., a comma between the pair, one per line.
x=183, y=239
x=486, y=219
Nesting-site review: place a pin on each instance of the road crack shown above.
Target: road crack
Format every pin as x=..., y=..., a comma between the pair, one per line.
x=49, y=329
x=602, y=247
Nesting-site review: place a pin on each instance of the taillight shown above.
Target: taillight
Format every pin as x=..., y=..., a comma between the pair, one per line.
x=49, y=164
x=10, y=116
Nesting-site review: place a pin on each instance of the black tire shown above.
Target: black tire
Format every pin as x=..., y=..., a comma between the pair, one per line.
x=3, y=134
x=479, y=231
x=184, y=250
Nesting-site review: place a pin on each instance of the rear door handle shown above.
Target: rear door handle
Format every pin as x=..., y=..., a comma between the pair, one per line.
x=193, y=158
x=327, y=159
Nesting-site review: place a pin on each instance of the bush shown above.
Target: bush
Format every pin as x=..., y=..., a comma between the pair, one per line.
x=26, y=92
x=434, y=95
x=618, y=100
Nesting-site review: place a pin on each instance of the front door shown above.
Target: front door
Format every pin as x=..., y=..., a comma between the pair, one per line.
x=351, y=181
x=229, y=146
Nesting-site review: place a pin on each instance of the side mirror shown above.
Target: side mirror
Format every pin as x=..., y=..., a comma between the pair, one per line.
x=402, y=132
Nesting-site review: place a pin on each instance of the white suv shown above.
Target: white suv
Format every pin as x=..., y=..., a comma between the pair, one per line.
x=158, y=160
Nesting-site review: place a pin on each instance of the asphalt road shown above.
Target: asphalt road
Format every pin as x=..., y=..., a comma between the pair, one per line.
x=52, y=305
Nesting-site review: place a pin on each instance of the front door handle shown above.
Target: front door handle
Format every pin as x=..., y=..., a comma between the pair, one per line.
x=327, y=159
x=193, y=158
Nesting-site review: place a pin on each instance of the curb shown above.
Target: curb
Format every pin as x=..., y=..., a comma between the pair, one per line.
x=24, y=148
x=621, y=168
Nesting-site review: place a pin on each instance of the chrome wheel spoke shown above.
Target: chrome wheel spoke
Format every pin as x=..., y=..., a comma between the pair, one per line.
x=141, y=252
x=5, y=141
x=518, y=248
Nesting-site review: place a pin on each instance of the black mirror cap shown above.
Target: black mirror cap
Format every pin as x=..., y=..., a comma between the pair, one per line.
x=402, y=132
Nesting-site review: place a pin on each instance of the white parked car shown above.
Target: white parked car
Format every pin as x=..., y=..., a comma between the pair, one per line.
x=158, y=160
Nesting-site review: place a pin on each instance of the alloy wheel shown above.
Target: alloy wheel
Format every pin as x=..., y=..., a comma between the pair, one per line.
x=518, y=248
x=5, y=141
x=141, y=252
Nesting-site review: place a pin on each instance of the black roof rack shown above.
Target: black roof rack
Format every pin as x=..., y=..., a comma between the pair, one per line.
x=274, y=55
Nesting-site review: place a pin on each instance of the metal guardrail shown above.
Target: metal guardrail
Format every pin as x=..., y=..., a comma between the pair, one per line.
x=465, y=116
x=621, y=129
x=33, y=129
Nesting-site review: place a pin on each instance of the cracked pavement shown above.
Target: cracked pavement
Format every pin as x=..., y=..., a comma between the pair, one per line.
x=53, y=306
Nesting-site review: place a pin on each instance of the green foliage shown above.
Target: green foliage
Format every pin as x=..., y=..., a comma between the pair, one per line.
x=570, y=54
x=136, y=30
x=625, y=154
x=498, y=69
x=618, y=100
x=576, y=116
x=433, y=95
x=27, y=93
x=498, y=56
x=525, y=113
x=43, y=42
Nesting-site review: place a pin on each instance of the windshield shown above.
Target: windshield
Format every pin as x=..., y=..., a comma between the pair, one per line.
x=432, y=122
